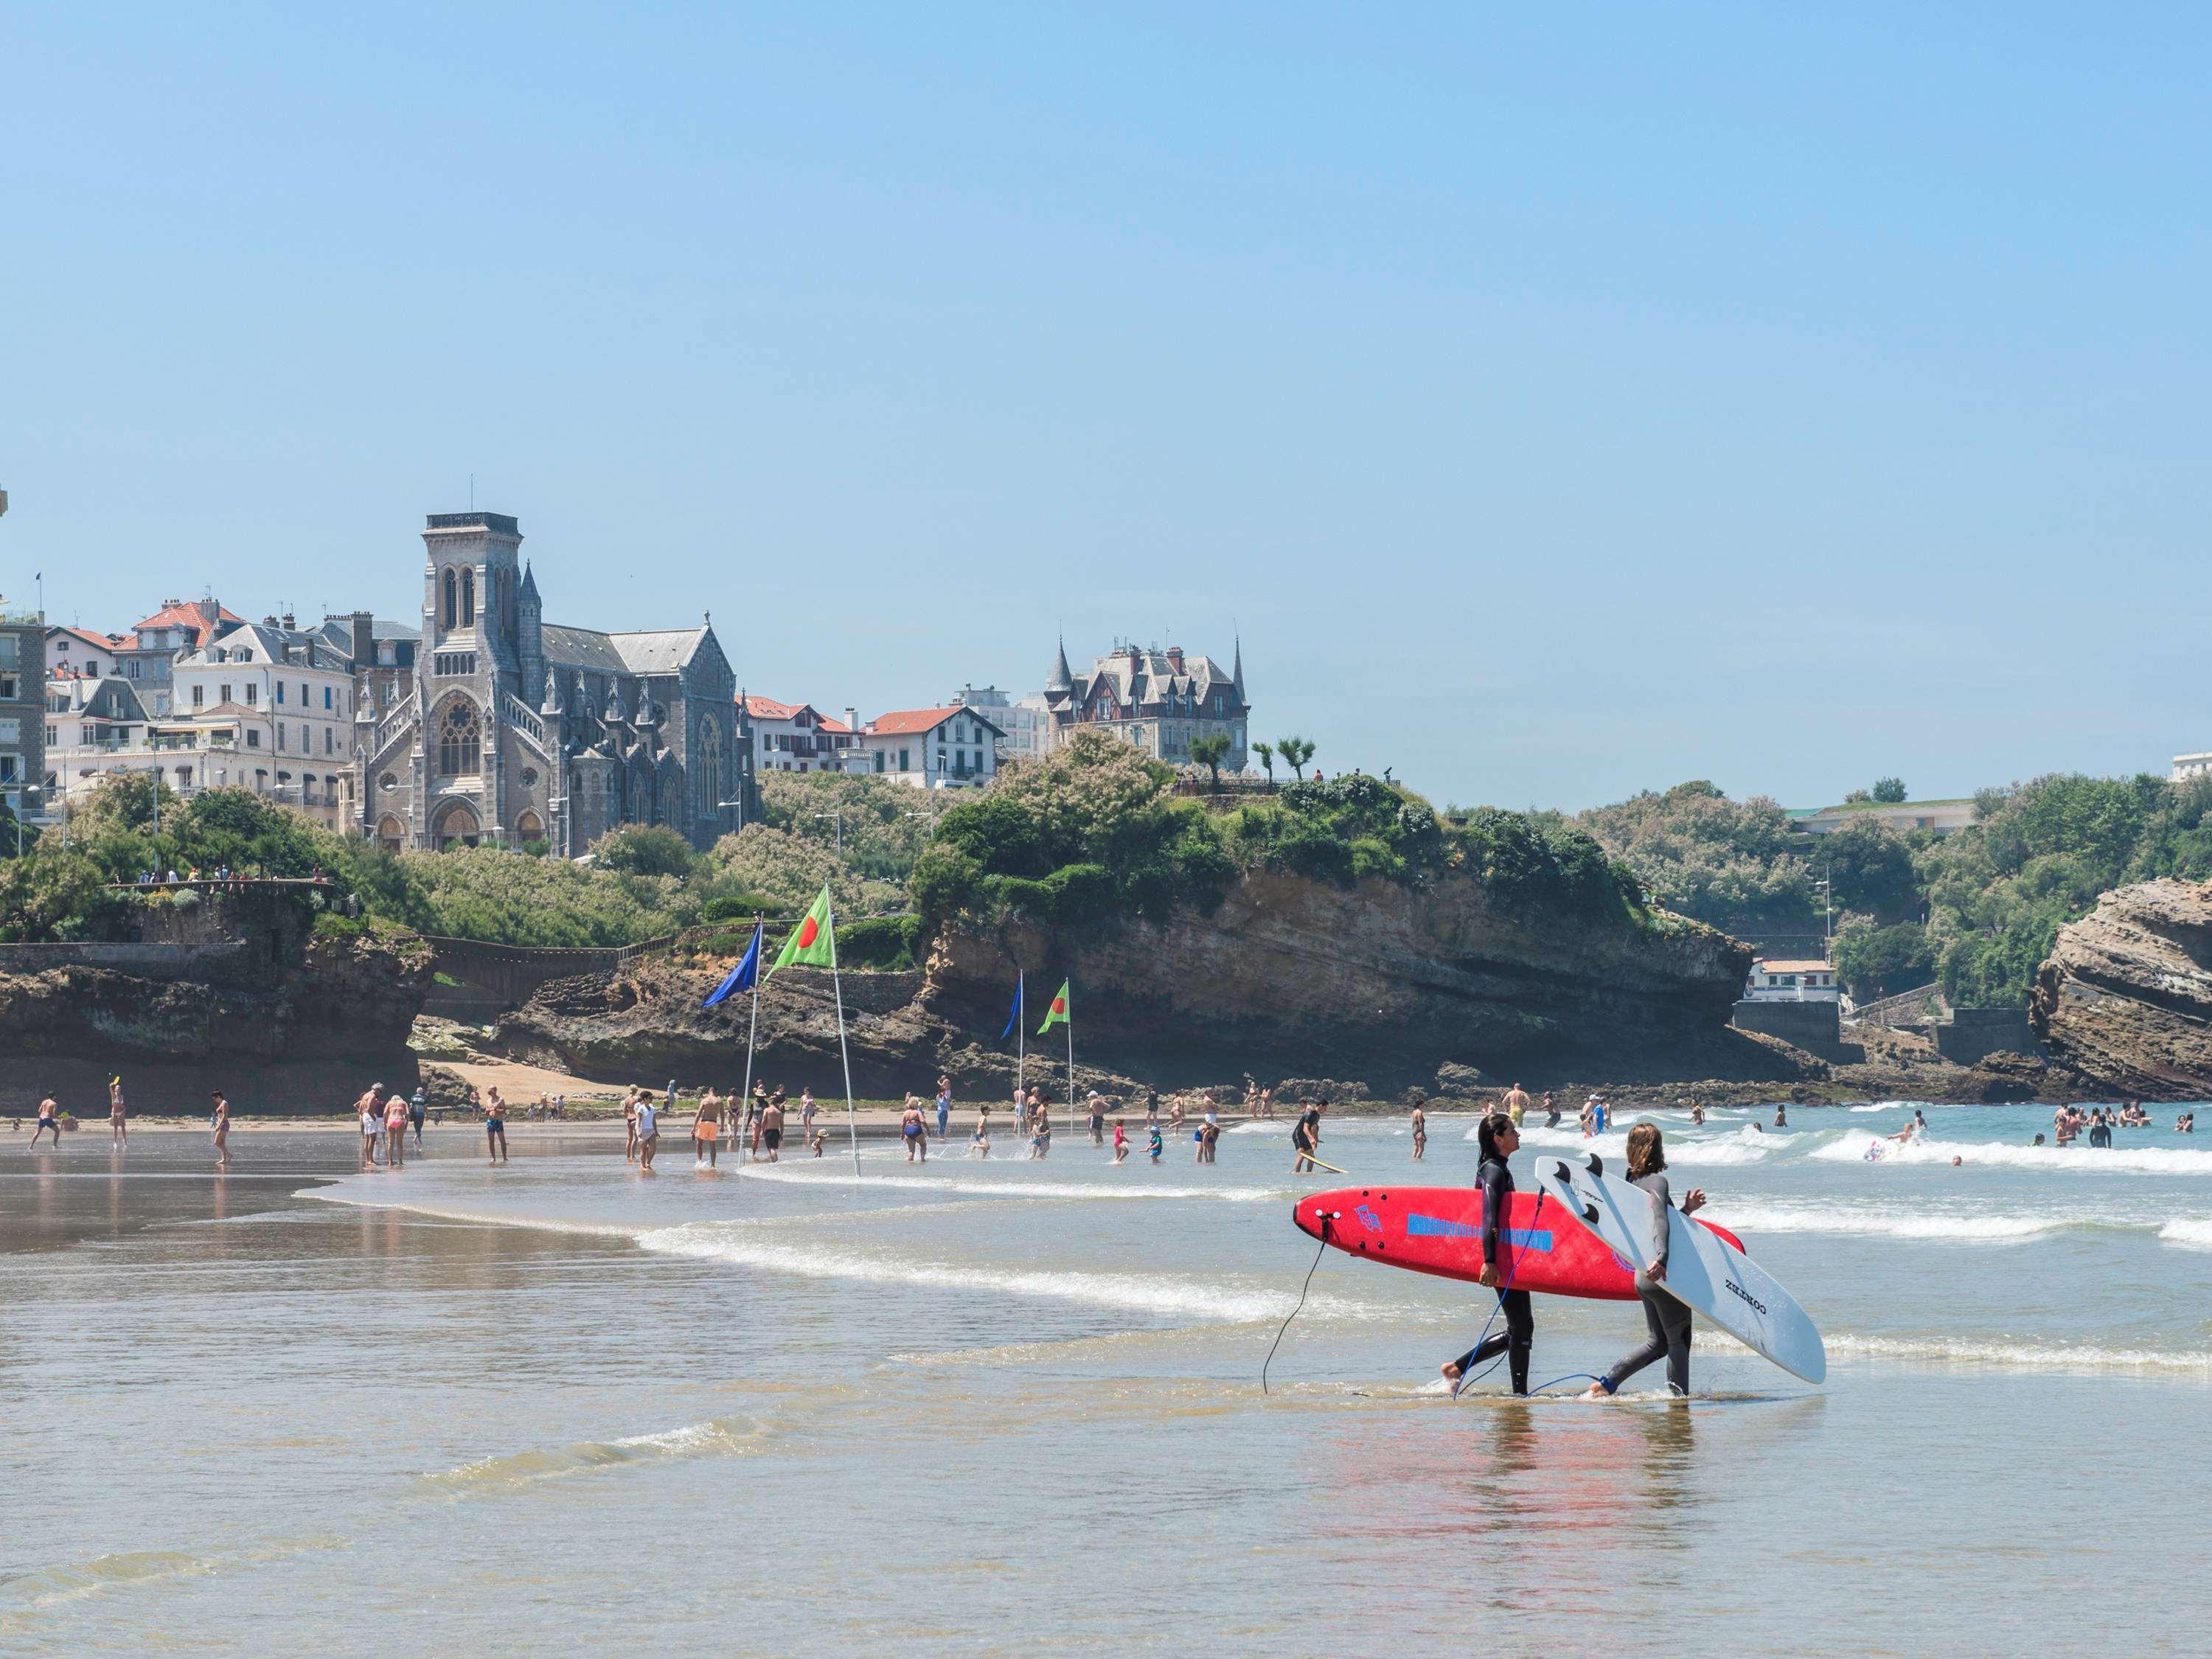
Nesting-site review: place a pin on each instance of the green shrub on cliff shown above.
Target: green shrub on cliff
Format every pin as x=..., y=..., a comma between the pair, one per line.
x=884, y=824
x=1718, y=860
x=1094, y=831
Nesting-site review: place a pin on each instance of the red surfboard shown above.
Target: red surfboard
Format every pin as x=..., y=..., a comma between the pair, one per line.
x=1438, y=1230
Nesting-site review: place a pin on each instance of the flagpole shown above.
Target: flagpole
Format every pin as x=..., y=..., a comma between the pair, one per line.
x=1071, y=1071
x=746, y=1099
x=1021, y=1042
x=837, y=984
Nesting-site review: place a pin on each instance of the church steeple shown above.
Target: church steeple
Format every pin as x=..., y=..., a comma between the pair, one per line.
x=1237, y=673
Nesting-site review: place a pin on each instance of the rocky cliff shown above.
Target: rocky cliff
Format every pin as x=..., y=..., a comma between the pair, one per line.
x=256, y=1007
x=2125, y=998
x=1382, y=984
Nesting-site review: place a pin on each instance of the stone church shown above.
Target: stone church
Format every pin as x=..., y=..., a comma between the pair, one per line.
x=515, y=729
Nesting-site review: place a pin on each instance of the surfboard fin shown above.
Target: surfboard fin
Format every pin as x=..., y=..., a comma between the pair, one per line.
x=1595, y=1164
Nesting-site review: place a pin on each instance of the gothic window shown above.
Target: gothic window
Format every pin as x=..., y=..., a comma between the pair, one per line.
x=451, y=611
x=529, y=777
x=460, y=738
x=710, y=769
x=468, y=599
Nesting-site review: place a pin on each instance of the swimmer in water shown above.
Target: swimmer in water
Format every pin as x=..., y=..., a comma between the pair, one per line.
x=1498, y=1141
x=1781, y=1117
x=1420, y=1133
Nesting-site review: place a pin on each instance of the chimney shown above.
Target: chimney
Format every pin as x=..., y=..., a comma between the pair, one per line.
x=364, y=638
x=1174, y=658
x=852, y=723
x=291, y=623
x=208, y=610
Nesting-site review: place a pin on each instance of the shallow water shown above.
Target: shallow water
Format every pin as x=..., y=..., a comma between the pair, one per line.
x=1003, y=1407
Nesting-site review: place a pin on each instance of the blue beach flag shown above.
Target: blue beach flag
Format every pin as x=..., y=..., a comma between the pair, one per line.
x=1014, y=1019
x=742, y=977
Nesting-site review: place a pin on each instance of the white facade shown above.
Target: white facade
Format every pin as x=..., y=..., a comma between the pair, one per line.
x=796, y=737
x=950, y=748
x=1024, y=722
x=1792, y=981
x=2186, y=767
x=81, y=652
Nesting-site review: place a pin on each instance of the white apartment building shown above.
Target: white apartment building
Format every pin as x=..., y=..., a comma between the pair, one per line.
x=1024, y=722
x=2186, y=767
x=950, y=748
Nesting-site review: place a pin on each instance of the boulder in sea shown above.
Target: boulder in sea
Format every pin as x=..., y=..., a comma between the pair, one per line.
x=2125, y=997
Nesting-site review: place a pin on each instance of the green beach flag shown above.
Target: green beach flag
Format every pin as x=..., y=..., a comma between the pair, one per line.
x=1057, y=1014
x=812, y=942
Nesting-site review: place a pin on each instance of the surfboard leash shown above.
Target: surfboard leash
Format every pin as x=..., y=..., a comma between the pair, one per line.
x=1527, y=1239
x=1325, y=1217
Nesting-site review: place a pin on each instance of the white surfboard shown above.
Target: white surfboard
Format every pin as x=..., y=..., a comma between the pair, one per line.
x=1704, y=1271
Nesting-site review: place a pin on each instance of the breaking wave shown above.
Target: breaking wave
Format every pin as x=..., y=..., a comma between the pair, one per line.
x=2021, y=1355
x=720, y=1438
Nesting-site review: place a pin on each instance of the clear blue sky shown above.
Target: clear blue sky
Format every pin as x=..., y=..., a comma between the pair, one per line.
x=1562, y=405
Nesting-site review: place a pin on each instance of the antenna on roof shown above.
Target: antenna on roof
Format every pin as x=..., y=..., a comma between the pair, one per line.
x=473, y=492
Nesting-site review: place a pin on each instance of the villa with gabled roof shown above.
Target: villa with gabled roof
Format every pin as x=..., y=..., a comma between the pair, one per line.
x=1158, y=700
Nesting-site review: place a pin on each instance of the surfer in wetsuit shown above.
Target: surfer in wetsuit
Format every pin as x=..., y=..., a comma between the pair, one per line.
x=1498, y=1141
x=1668, y=1320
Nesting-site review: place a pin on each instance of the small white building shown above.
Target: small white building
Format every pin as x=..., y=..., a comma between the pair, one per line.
x=950, y=748
x=795, y=736
x=1792, y=980
x=2186, y=767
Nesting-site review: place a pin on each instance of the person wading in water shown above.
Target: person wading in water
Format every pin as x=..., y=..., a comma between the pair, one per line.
x=1498, y=1141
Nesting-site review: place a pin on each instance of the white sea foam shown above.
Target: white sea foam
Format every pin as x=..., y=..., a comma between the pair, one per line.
x=1127, y=1181
x=1751, y=1218
x=2197, y=1234
x=2020, y=1355
x=1878, y=1106
x=553, y=1463
x=2135, y=1160
x=1167, y=1294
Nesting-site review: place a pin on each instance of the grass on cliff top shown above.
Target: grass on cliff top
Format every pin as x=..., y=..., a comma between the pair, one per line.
x=1094, y=832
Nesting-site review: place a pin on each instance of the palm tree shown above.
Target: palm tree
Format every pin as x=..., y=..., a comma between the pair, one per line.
x=1266, y=752
x=1209, y=752
x=1296, y=752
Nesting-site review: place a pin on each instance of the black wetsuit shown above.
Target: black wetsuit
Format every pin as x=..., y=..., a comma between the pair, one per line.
x=1520, y=1332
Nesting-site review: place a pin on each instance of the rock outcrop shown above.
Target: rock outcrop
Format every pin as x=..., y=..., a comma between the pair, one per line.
x=2125, y=999
x=1398, y=987
x=276, y=1018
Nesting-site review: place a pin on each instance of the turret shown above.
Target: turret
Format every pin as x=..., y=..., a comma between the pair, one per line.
x=530, y=638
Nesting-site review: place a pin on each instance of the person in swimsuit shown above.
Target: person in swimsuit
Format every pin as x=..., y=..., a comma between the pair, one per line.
x=707, y=1126
x=1516, y=1104
x=1551, y=1111
x=494, y=1111
x=1420, y=1133
x=1097, y=1106
x=1267, y=1105
x=116, y=1130
x=219, y=1129
x=1697, y=1113
x=772, y=1133
x=978, y=1144
x=1666, y=1318
x=1496, y=1141
x=806, y=1110
x=49, y=1120
x=395, y=1130
x=417, y=1106
x=1040, y=1142
x=629, y=1122
x=1781, y=1117
x=1152, y=1107
x=910, y=1129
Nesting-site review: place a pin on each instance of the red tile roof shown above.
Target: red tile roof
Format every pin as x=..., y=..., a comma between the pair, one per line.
x=768, y=708
x=98, y=642
x=176, y=613
x=905, y=721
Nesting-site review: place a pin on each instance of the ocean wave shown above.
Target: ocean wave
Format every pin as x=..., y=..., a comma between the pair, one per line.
x=1168, y=1294
x=61, y=1585
x=1754, y=1218
x=1743, y=1145
x=718, y=1438
x=2196, y=1233
x=1966, y=1352
x=2135, y=1160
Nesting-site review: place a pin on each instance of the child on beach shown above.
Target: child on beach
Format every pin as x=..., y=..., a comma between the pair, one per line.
x=1121, y=1140
x=817, y=1142
x=978, y=1144
x=1157, y=1145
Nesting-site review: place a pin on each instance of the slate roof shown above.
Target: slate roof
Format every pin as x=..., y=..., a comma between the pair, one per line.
x=583, y=647
x=1147, y=681
x=658, y=652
